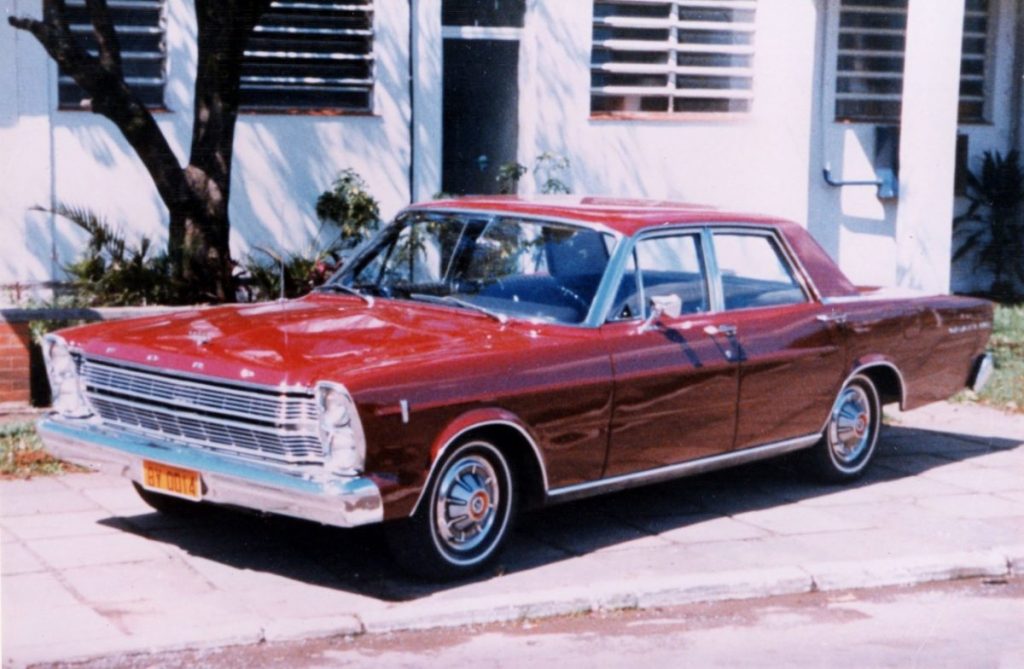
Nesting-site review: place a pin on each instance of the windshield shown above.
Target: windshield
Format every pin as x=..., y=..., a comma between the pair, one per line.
x=499, y=265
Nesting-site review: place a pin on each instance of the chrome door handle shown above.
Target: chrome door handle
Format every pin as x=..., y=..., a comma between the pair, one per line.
x=838, y=319
x=727, y=330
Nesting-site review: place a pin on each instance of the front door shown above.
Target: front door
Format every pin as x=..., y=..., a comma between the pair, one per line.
x=481, y=93
x=675, y=384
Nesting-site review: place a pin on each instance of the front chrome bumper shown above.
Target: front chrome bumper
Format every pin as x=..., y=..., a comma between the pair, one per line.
x=338, y=501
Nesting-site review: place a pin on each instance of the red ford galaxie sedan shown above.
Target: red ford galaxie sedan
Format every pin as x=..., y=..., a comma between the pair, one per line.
x=485, y=354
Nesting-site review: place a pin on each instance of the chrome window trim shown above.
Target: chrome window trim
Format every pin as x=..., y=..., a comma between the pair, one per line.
x=590, y=321
x=630, y=250
x=800, y=277
x=712, y=273
x=477, y=426
x=573, y=222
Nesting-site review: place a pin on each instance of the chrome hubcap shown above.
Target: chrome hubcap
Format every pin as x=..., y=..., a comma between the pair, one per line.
x=849, y=432
x=467, y=502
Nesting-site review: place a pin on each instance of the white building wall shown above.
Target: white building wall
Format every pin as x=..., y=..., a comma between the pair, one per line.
x=756, y=162
x=26, y=175
x=769, y=160
x=281, y=162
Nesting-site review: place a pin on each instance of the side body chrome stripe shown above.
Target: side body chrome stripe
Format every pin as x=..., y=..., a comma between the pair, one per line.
x=680, y=470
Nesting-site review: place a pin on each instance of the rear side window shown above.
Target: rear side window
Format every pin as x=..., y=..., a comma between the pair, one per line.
x=754, y=271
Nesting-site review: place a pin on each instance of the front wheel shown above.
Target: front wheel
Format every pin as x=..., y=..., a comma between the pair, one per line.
x=463, y=520
x=850, y=437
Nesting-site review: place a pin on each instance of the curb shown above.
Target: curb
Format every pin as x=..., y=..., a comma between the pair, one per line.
x=649, y=592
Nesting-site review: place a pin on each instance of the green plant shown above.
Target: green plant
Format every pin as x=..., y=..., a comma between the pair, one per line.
x=508, y=177
x=113, y=272
x=348, y=211
x=303, y=271
x=349, y=207
x=991, y=231
x=22, y=455
x=548, y=167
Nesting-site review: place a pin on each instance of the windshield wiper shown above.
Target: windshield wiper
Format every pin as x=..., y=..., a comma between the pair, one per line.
x=449, y=299
x=342, y=288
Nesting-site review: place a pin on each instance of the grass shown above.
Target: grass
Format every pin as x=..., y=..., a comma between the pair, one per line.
x=1006, y=389
x=22, y=455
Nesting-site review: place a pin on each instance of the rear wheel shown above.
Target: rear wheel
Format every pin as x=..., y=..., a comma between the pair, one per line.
x=851, y=435
x=464, y=518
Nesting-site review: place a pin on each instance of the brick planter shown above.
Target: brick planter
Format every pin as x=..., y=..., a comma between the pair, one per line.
x=22, y=376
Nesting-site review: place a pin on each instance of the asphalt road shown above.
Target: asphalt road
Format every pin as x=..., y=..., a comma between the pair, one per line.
x=972, y=623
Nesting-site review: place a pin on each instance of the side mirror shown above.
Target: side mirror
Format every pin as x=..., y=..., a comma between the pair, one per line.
x=663, y=305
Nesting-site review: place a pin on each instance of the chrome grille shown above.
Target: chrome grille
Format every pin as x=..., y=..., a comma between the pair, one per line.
x=247, y=404
x=254, y=423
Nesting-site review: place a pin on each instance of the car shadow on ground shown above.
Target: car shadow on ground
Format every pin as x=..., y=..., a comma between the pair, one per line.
x=357, y=560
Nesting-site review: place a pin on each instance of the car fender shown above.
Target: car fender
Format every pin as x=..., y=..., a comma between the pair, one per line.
x=875, y=360
x=474, y=420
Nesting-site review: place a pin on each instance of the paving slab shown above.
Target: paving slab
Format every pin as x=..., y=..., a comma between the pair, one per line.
x=88, y=570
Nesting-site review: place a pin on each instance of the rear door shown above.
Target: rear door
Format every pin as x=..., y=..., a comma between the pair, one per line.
x=791, y=356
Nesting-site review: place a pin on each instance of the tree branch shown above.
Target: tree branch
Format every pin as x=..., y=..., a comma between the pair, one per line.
x=106, y=36
x=111, y=98
x=55, y=36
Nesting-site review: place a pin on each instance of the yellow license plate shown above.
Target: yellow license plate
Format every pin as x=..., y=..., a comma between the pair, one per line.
x=172, y=480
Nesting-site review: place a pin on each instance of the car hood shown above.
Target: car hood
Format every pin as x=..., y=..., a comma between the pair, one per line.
x=299, y=342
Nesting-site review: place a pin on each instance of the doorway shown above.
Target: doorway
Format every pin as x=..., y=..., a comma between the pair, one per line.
x=480, y=93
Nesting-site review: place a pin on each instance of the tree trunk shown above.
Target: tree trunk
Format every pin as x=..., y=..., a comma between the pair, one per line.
x=196, y=196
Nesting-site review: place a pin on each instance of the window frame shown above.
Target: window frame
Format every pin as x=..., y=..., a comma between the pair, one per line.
x=784, y=254
x=831, y=71
x=671, y=47
x=641, y=291
x=85, y=28
x=293, y=108
x=618, y=266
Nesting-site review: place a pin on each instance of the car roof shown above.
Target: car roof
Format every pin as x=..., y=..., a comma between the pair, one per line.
x=623, y=215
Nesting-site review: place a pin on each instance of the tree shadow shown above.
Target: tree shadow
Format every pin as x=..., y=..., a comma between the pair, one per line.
x=357, y=560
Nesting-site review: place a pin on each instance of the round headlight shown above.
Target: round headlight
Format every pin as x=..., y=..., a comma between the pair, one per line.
x=341, y=433
x=66, y=392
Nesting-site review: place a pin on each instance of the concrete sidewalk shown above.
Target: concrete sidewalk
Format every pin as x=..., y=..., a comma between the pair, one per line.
x=89, y=571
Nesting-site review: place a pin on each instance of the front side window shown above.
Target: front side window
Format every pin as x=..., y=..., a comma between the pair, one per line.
x=660, y=266
x=139, y=25
x=310, y=55
x=754, y=272
x=872, y=40
x=672, y=57
x=525, y=268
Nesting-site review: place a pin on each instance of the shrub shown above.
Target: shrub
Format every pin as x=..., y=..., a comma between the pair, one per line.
x=992, y=229
x=548, y=167
x=348, y=215
x=113, y=272
x=350, y=208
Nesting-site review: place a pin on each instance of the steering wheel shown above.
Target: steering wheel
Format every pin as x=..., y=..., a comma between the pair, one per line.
x=572, y=295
